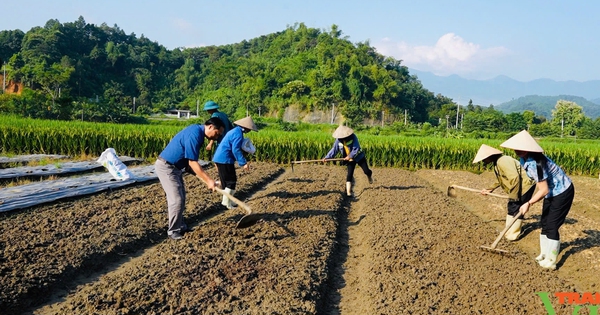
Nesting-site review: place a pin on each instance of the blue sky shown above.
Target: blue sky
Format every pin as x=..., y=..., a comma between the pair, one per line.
x=475, y=39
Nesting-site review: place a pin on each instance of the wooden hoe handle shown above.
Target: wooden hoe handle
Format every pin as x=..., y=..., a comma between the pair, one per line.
x=478, y=190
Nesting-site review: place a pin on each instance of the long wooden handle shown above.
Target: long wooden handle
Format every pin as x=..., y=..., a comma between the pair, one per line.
x=237, y=201
x=479, y=190
x=495, y=243
x=311, y=161
x=228, y=195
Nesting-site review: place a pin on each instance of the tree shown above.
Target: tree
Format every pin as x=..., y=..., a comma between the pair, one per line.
x=52, y=78
x=567, y=116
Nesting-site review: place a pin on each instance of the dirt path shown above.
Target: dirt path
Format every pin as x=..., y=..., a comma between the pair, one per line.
x=401, y=246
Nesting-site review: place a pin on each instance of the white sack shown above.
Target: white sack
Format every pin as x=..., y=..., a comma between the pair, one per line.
x=111, y=162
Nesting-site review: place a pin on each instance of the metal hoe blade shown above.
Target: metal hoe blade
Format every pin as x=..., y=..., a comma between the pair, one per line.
x=248, y=220
x=451, y=192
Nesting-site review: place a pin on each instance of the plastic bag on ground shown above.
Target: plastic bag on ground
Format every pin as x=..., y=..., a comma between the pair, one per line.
x=115, y=167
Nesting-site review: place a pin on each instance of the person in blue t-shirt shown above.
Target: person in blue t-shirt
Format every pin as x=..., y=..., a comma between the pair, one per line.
x=212, y=108
x=181, y=153
x=230, y=150
x=553, y=186
x=347, y=144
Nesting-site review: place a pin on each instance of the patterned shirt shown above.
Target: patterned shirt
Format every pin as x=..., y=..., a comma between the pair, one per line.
x=557, y=179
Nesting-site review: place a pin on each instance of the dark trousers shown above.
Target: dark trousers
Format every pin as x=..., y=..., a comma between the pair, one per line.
x=554, y=212
x=352, y=165
x=227, y=175
x=514, y=205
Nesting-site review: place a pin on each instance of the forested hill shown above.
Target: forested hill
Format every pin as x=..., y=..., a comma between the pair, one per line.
x=100, y=73
x=543, y=105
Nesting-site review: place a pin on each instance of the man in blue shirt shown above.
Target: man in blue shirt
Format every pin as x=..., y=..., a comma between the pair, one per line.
x=183, y=152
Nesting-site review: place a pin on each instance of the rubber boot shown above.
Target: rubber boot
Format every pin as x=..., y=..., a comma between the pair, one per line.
x=226, y=201
x=514, y=231
x=231, y=203
x=543, y=246
x=551, y=255
x=349, y=189
x=370, y=179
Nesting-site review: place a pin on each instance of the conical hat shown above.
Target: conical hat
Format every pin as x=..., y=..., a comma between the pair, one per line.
x=522, y=141
x=342, y=132
x=485, y=151
x=247, y=123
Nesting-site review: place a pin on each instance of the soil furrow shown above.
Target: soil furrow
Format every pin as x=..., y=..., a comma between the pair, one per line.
x=46, y=248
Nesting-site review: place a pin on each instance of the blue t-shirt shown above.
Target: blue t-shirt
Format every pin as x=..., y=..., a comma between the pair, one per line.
x=184, y=146
x=557, y=179
x=230, y=148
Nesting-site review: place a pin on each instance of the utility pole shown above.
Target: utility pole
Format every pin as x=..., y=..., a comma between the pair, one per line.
x=405, y=117
x=447, y=124
x=259, y=111
x=332, y=112
x=4, y=78
x=562, y=125
x=382, y=118
x=134, y=104
x=197, y=108
x=457, y=110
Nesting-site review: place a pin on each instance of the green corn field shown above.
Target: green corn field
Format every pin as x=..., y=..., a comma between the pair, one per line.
x=29, y=136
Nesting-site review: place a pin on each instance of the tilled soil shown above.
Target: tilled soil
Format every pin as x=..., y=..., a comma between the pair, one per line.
x=400, y=246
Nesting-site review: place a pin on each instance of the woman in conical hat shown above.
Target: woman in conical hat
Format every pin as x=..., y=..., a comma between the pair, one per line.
x=511, y=177
x=347, y=144
x=234, y=147
x=553, y=186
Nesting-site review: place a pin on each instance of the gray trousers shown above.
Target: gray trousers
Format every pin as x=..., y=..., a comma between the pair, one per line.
x=171, y=179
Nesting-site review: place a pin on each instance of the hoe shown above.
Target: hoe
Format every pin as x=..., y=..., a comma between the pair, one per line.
x=249, y=219
x=452, y=192
x=314, y=161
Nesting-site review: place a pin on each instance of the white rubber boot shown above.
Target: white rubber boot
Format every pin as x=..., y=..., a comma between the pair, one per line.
x=514, y=231
x=543, y=246
x=226, y=201
x=349, y=189
x=231, y=203
x=552, y=254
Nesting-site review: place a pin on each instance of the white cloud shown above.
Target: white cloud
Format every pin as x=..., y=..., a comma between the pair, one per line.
x=182, y=25
x=188, y=30
x=451, y=54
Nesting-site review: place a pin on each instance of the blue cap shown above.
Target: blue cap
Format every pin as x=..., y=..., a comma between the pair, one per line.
x=210, y=105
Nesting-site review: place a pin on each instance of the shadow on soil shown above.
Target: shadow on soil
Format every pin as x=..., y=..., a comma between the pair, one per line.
x=580, y=244
x=330, y=289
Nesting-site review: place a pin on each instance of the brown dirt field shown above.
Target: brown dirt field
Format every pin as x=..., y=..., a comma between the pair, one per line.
x=401, y=246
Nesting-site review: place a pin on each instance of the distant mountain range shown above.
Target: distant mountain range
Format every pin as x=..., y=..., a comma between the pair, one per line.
x=502, y=89
x=543, y=105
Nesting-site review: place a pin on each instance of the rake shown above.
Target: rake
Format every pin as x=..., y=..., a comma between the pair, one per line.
x=492, y=248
